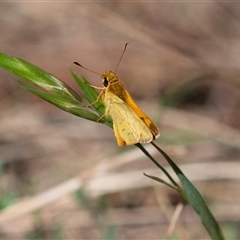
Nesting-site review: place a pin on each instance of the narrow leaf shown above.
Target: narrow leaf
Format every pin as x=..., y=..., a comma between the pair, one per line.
x=90, y=93
x=159, y=180
x=93, y=98
x=68, y=106
x=37, y=76
x=195, y=199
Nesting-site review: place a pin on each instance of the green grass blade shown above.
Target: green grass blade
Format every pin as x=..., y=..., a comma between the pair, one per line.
x=158, y=165
x=93, y=98
x=90, y=93
x=160, y=180
x=65, y=104
x=50, y=87
x=195, y=199
x=37, y=76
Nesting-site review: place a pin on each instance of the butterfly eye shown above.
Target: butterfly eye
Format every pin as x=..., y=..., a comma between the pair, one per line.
x=105, y=82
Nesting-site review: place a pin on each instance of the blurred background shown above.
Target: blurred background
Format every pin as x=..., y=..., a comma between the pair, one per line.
x=64, y=177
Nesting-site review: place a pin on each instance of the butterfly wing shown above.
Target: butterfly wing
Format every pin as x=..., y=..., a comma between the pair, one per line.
x=128, y=127
x=151, y=125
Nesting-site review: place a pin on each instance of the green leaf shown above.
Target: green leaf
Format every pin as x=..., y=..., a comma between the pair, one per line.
x=54, y=90
x=176, y=186
x=159, y=180
x=37, y=76
x=93, y=98
x=90, y=93
x=66, y=104
x=194, y=198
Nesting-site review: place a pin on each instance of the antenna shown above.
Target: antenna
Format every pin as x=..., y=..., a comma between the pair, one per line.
x=124, y=49
x=78, y=64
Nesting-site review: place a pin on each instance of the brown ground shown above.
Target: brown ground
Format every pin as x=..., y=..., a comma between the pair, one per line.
x=181, y=66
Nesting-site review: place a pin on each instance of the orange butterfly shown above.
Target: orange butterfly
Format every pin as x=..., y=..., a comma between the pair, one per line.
x=130, y=124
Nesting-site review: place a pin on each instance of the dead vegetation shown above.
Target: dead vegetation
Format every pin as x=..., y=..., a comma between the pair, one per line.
x=65, y=177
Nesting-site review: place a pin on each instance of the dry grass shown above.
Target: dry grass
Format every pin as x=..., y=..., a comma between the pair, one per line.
x=183, y=54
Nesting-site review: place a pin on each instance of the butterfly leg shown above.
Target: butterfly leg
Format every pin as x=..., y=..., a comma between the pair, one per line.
x=105, y=114
x=97, y=100
x=102, y=117
x=95, y=86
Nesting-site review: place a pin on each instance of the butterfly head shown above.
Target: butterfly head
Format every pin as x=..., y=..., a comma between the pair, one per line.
x=108, y=78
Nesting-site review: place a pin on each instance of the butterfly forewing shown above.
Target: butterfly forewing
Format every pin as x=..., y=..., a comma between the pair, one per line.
x=128, y=127
x=153, y=128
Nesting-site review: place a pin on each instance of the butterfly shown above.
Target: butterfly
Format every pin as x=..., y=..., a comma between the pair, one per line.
x=130, y=124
